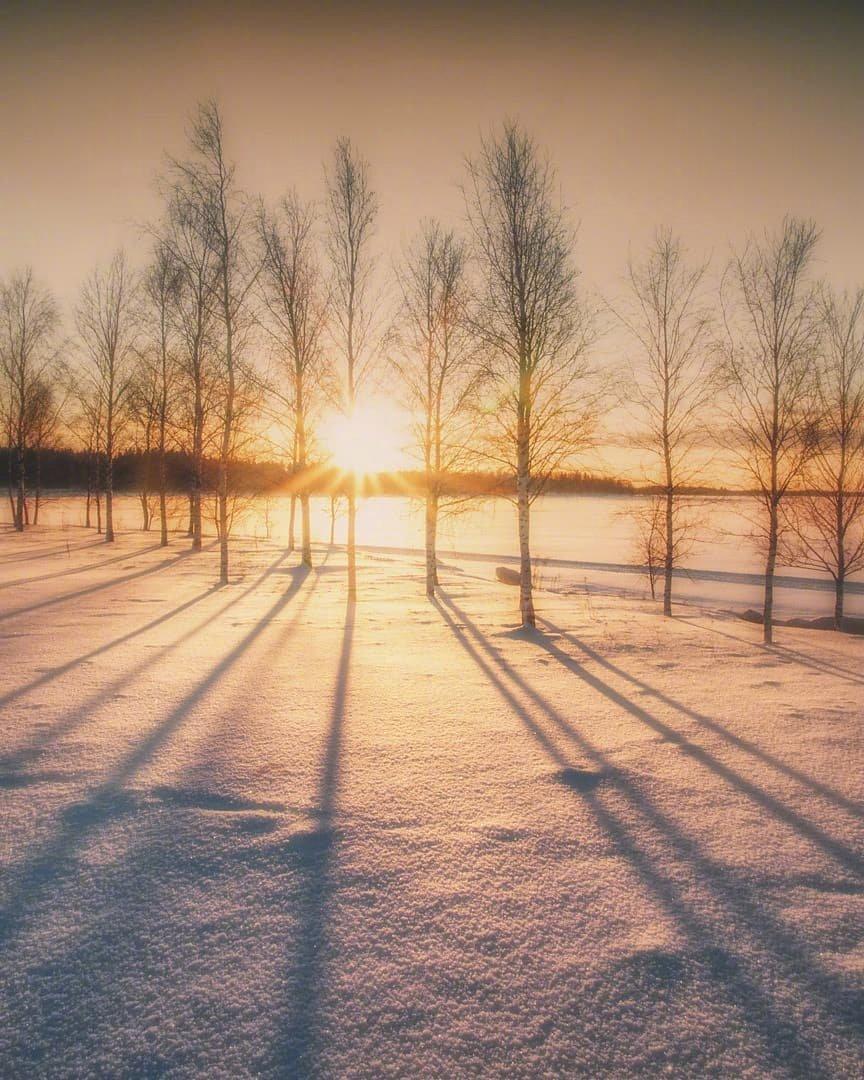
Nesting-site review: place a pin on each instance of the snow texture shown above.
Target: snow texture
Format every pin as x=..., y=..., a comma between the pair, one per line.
x=251, y=832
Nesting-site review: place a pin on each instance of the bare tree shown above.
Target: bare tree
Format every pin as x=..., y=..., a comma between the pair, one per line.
x=46, y=409
x=825, y=524
x=108, y=325
x=29, y=320
x=530, y=322
x=352, y=207
x=650, y=518
x=650, y=547
x=162, y=285
x=86, y=426
x=671, y=384
x=436, y=362
x=144, y=403
x=296, y=301
x=186, y=236
x=768, y=364
x=219, y=213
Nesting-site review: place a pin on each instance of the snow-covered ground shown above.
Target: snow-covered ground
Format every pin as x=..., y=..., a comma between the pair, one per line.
x=249, y=832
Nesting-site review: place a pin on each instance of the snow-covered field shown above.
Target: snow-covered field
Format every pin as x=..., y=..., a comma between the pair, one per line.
x=577, y=540
x=249, y=832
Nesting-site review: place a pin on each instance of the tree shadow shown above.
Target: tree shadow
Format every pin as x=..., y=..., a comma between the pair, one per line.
x=62, y=669
x=52, y=601
x=81, y=569
x=32, y=750
x=849, y=859
x=61, y=549
x=189, y=834
x=740, y=743
x=786, y=653
x=109, y=799
x=746, y=971
x=294, y=1048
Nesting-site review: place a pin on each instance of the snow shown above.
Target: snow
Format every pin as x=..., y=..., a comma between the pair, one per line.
x=249, y=833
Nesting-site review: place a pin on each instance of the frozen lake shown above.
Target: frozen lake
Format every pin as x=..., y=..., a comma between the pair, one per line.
x=579, y=529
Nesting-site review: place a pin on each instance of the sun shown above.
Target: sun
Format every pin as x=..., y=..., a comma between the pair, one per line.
x=368, y=440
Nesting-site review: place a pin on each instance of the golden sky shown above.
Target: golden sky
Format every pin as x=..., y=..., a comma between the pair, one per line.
x=714, y=123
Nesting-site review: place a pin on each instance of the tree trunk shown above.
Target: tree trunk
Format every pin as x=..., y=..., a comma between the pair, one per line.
x=109, y=499
x=306, y=531
x=22, y=487
x=669, y=555
x=770, y=564
x=840, y=528
x=145, y=493
x=109, y=474
x=163, y=502
x=332, y=519
x=431, y=552
x=99, y=493
x=523, y=485
x=195, y=522
x=291, y=516
x=305, y=525
x=352, y=551
x=526, y=592
x=223, y=522
x=839, y=584
x=12, y=497
x=38, y=499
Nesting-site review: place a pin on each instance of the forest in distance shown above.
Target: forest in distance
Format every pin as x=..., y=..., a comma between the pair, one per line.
x=260, y=345
x=63, y=469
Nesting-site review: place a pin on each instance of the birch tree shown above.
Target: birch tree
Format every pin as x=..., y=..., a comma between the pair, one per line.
x=162, y=285
x=670, y=384
x=144, y=404
x=435, y=359
x=296, y=302
x=529, y=321
x=107, y=321
x=768, y=362
x=29, y=322
x=207, y=180
x=352, y=207
x=86, y=426
x=47, y=406
x=187, y=239
x=825, y=524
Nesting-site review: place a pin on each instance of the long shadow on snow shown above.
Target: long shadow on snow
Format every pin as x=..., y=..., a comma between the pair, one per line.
x=139, y=886
x=62, y=549
x=786, y=653
x=125, y=557
x=109, y=800
x=294, y=1050
x=36, y=746
x=98, y=587
x=748, y=976
x=703, y=721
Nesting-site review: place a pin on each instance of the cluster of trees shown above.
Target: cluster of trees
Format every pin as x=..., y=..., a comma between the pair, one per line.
x=249, y=321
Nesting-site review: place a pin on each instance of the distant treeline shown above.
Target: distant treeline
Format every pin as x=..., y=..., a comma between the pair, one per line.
x=133, y=471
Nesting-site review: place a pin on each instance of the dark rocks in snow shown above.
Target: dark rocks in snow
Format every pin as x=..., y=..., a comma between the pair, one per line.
x=506, y=575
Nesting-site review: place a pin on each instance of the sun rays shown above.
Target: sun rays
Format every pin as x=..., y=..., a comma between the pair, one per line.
x=371, y=439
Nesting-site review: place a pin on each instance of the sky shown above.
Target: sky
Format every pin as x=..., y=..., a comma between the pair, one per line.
x=712, y=119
